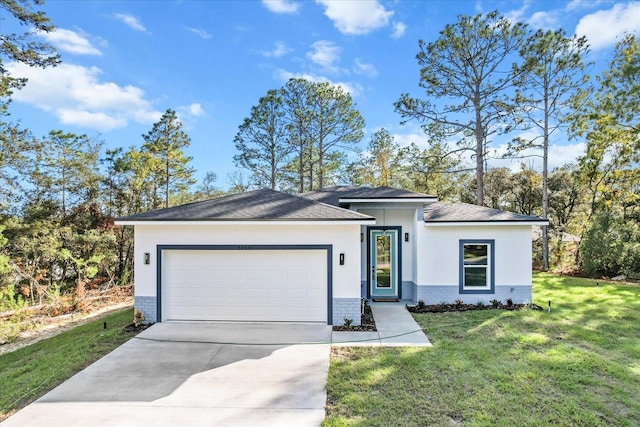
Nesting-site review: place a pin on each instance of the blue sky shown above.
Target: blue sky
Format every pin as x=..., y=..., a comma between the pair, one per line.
x=126, y=62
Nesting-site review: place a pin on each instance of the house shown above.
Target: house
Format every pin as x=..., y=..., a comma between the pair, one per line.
x=270, y=256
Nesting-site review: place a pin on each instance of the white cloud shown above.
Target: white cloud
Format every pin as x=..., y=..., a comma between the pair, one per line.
x=517, y=15
x=70, y=41
x=352, y=88
x=202, y=33
x=414, y=136
x=324, y=53
x=363, y=68
x=279, y=50
x=543, y=20
x=399, y=29
x=131, y=21
x=281, y=6
x=602, y=28
x=559, y=155
x=100, y=121
x=539, y=20
x=356, y=17
x=76, y=96
x=196, y=110
x=582, y=4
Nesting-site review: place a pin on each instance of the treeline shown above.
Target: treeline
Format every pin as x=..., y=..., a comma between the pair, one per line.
x=59, y=194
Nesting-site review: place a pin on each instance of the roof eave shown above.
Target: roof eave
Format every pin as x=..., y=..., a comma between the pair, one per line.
x=489, y=222
x=347, y=200
x=280, y=221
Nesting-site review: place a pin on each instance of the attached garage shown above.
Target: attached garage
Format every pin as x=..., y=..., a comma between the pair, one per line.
x=259, y=256
x=242, y=283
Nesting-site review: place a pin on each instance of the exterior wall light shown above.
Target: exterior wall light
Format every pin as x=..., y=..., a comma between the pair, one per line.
x=147, y=258
x=341, y=259
x=406, y=237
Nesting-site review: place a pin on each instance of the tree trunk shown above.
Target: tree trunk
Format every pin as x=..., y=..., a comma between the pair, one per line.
x=545, y=175
x=479, y=158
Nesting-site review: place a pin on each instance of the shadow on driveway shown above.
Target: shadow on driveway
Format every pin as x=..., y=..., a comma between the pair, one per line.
x=197, y=374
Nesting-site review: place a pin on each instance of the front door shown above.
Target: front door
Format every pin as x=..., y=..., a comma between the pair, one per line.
x=383, y=263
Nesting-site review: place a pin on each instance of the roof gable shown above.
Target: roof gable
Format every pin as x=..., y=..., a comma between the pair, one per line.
x=464, y=212
x=260, y=205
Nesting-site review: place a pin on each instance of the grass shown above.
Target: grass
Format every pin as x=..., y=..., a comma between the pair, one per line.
x=28, y=373
x=576, y=366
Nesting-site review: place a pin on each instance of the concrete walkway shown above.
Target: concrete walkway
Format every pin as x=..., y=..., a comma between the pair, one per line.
x=396, y=328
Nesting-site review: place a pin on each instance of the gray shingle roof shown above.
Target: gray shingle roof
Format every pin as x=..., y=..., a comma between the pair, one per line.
x=464, y=212
x=261, y=205
x=332, y=195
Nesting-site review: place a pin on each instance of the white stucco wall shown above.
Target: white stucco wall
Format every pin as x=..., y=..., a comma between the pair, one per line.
x=345, y=238
x=439, y=248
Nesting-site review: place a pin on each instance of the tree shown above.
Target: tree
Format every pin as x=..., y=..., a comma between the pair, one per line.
x=336, y=126
x=263, y=143
x=611, y=246
x=433, y=170
x=296, y=136
x=22, y=47
x=67, y=170
x=165, y=143
x=380, y=165
x=16, y=150
x=565, y=197
x=553, y=75
x=296, y=96
x=609, y=117
x=207, y=188
x=499, y=186
x=466, y=74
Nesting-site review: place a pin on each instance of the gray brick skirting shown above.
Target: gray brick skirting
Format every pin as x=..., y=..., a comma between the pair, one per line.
x=147, y=305
x=346, y=308
x=448, y=294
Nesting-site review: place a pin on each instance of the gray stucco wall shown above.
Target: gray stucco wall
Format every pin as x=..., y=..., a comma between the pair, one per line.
x=346, y=308
x=434, y=294
x=147, y=305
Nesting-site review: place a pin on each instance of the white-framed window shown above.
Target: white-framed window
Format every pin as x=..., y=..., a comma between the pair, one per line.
x=476, y=266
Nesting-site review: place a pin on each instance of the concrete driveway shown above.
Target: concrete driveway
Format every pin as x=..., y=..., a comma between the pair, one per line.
x=197, y=374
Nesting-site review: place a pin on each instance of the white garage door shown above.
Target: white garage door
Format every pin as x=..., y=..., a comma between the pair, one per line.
x=245, y=285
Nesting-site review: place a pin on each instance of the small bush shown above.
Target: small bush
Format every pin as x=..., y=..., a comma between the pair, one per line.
x=421, y=304
x=496, y=303
x=348, y=323
x=459, y=303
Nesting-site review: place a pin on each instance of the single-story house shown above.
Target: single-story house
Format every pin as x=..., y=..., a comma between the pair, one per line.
x=270, y=256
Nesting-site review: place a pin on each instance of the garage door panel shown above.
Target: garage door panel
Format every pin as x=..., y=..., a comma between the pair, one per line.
x=255, y=285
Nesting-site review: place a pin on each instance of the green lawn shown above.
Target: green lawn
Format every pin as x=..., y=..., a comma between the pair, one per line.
x=30, y=372
x=576, y=366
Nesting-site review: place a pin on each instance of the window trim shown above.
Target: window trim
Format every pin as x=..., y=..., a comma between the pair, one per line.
x=490, y=289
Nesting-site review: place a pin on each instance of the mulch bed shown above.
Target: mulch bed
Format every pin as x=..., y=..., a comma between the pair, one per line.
x=133, y=328
x=367, y=322
x=446, y=308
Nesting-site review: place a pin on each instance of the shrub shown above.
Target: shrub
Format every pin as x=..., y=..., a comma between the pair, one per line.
x=611, y=246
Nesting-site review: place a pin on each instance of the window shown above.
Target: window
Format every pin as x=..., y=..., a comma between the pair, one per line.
x=476, y=266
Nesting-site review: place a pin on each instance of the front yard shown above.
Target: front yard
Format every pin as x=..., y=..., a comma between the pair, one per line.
x=30, y=372
x=578, y=365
